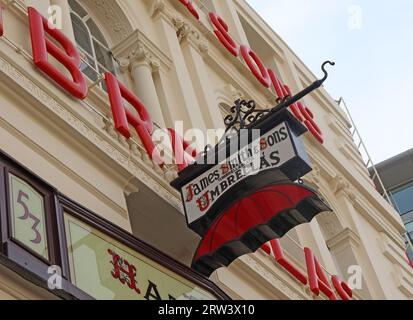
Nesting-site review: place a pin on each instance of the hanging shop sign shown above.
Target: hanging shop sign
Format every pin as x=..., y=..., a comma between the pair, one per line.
x=250, y=199
x=251, y=196
x=276, y=153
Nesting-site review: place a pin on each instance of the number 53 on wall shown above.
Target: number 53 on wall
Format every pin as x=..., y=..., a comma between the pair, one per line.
x=27, y=216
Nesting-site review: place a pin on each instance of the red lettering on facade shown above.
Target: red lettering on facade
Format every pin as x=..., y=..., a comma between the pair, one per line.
x=342, y=288
x=223, y=35
x=283, y=261
x=122, y=116
x=317, y=279
x=306, y=116
x=253, y=61
x=69, y=57
x=182, y=150
x=264, y=75
x=316, y=276
x=188, y=4
x=276, y=84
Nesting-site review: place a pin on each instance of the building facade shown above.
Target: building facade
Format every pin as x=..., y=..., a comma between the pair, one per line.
x=397, y=176
x=72, y=183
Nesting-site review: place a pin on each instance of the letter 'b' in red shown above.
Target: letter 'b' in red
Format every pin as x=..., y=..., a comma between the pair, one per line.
x=69, y=57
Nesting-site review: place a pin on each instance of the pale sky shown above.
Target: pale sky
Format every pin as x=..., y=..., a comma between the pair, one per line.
x=372, y=43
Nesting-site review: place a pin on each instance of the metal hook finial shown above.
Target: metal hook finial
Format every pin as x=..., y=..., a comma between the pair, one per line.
x=323, y=67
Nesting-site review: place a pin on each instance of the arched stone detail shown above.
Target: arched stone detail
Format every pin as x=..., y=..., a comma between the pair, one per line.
x=109, y=15
x=330, y=223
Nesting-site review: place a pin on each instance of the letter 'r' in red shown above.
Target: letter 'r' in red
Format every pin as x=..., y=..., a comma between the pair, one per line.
x=122, y=116
x=69, y=57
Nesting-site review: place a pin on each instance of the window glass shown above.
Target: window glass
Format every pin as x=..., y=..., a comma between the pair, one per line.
x=106, y=269
x=94, y=29
x=403, y=199
x=103, y=56
x=77, y=8
x=27, y=210
x=409, y=228
x=92, y=44
x=81, y=34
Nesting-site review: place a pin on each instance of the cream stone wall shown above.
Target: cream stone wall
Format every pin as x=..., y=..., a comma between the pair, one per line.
x=183, y=73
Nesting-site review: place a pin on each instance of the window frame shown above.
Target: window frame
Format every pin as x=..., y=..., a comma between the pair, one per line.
x=398, y=190
x=12, y=247
x=34, y=268
x=17, y=256
x=86, y=216
x=98, y=68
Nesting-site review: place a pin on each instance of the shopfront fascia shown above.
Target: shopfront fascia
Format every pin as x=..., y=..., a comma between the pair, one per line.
x=61, y=246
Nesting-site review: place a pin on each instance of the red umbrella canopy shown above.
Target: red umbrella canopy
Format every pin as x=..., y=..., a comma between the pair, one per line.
x=256, y=219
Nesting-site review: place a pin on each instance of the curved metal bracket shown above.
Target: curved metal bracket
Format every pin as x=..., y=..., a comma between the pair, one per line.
x=315, y=85
x=323, y=67
x=244, y=113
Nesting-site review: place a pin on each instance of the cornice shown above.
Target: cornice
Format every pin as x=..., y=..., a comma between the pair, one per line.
x=402, y=272
x=113, y=17
x=264, y=29
x=343, y=239
x=340, y=185
x=187, y=33
x=138, y=46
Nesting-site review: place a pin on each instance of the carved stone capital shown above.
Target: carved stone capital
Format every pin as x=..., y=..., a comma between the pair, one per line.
x=157, y=7
x=183, y=29
x=344, y=239
x=130, y=187
x=187, y=33
x=341, y=185
x=139, y=56
x=136, y=50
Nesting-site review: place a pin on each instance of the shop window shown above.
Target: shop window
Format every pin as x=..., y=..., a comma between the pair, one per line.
x=107, y=269
x=28, y=220
x=96, y=55
x=28, y=216
x=403, y=199
x=45, y=234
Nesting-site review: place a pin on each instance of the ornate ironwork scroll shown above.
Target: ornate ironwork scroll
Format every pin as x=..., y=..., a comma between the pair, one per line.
x=245, y=114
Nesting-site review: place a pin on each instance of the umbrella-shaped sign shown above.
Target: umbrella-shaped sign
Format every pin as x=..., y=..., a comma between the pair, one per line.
x=237, y=200
x=266, y=214
x=276, y=155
